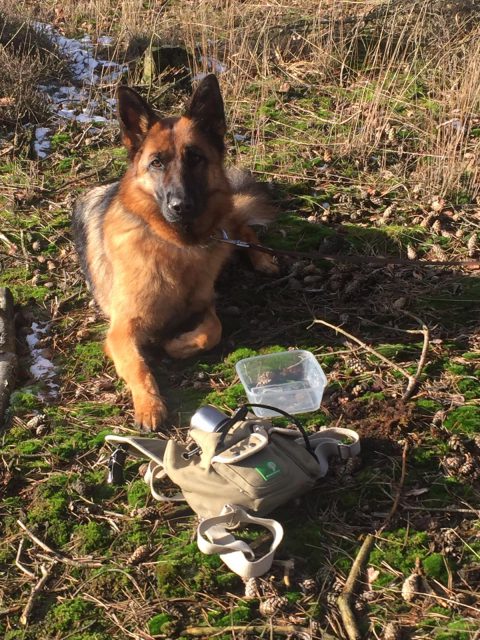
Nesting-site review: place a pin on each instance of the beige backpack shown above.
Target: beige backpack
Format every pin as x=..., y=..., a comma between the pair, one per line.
x=235, y=466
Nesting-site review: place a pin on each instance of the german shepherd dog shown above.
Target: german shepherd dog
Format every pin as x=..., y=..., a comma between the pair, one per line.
x=147, y=243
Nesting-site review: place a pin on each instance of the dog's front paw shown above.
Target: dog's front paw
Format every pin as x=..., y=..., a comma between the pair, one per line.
x=150, y=412
x=266, y=264
x=181, y=348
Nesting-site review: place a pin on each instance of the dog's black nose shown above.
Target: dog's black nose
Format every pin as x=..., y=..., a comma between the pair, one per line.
x=179, y=206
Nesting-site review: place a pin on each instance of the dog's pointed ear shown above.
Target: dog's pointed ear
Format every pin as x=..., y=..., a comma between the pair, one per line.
x=136, y=117
x=206, y=108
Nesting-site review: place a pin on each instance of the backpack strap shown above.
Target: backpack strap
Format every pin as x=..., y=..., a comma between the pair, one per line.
x=329, y=441
x=154, y=450
x=213, y=537
x=333, y=441
x=154, y=473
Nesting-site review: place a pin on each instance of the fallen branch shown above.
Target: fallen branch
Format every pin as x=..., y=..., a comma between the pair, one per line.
x=59, y=557
x=371, y=350
x=360, y=563
x=34, y=594
x=211, y=632
x=345, y=598
x=412, y=380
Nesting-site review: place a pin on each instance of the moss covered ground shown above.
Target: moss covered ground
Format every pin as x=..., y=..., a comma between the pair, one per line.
x=421, y=455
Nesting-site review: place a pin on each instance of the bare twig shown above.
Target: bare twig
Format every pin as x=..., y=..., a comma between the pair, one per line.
x=413, y=381
x=19, y=564
x=9, y=610
x=211, y=632
x=408, y=507
x=371, y=350
x=398, y=495
x=35, y=591
x=84, y=176
x=345, y=598
x=73, y=562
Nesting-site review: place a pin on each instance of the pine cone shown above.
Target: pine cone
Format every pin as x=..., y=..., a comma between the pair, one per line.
x=389, y=211
x=251, y=588
x=392, y=134
x=429, y=220
x=146, y=513
x=139, y=554
x=357, y=390
x=455, y=443
x=270, y=606
x=41, y=430
x=36, y=421
x=476, y=440
x=355, y=364
x=352, y=465
x=173, y=611
x=315, y=629
x=79, y=486
x=411, y=587
x=472, y=246
x=438, y=253
x=411, y=252
x=438, y=204
x=468, y=467
x=308, y=586
x=452, y=464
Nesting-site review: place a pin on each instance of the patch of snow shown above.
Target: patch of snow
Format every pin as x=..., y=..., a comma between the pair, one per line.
x=105, y=40
x=42, y=369
x=75, y=103
x=213, y=64
x=85, y=118
x=67, y=113
x=454, y=123
x=41, y=144
x=200, y=76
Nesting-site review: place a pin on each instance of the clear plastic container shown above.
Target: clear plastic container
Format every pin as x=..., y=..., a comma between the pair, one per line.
x=290, y=380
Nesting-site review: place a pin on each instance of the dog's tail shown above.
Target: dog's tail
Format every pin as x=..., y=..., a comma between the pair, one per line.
x=252, y=203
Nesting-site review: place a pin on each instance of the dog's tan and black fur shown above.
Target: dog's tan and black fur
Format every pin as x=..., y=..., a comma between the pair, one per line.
x=145, y=242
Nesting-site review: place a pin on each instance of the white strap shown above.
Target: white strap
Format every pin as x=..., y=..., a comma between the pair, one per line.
x=330, y=442
x=236, y=554
x=153, y=449
x=157, y=472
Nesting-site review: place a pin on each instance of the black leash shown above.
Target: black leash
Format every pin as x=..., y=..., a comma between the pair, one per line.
x=340, y=258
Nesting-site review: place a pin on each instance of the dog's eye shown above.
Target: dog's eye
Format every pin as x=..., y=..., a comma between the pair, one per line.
x=193, y=157
x=157, y=163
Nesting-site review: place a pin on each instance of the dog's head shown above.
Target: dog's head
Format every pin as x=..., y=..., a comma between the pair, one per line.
x=176, y=164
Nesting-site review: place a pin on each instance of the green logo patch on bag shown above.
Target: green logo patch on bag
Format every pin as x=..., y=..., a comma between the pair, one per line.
x=268, y=470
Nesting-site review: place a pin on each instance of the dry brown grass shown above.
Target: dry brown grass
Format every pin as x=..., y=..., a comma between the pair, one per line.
x=403, y=76
x=26, y=59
